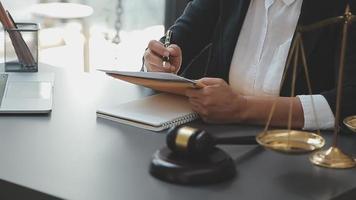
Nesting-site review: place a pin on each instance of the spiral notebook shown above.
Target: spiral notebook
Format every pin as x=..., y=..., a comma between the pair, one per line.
x=155, y=113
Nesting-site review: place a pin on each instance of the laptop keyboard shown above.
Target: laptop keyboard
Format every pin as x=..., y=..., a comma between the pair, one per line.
x=3, y=81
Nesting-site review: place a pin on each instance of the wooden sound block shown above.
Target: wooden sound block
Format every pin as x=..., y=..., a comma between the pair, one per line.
x=181, y=169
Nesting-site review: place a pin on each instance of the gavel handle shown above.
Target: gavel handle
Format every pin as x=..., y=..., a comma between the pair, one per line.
x=238, y=140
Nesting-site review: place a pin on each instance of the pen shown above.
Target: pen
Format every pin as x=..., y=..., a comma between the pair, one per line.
x=11, y=19
x=166, y=44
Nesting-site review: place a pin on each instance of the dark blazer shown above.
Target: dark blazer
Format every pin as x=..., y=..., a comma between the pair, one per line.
x=215, y=25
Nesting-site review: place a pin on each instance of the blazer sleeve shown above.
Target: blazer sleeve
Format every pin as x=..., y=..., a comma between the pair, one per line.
x=348, y=105
x=195, y=28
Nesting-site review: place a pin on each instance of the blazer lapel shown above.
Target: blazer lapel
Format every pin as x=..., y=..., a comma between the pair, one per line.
x=312, y=11
x=233, y=14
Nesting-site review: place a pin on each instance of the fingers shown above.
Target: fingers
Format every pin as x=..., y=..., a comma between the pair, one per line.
x=199, y=105
x=152, y=58
x=158, y=48
x=194, y=93
x=154, y=62
x=202, y=93
x=201, y=110
x=156, y=51
x=154, y=68
x=175, y=57
x=174, y=50
x=198, y=108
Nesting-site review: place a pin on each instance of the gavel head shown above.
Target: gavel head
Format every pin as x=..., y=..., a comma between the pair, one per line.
x=190, y=141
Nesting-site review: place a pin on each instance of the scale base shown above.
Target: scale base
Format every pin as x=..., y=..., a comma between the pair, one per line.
x=332, y=158
x=181, y=169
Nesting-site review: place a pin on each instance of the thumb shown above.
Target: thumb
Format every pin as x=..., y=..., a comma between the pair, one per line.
x=212, y=81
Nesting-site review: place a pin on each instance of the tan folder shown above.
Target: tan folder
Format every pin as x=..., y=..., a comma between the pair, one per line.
x=164, y=82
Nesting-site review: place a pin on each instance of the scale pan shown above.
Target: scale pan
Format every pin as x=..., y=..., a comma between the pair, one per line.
x=350, y=122
x=290, y=141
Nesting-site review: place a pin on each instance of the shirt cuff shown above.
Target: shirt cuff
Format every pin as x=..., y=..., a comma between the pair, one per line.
x=322, y=118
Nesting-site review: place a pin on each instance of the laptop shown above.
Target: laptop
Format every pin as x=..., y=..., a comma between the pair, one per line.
x=26, y=93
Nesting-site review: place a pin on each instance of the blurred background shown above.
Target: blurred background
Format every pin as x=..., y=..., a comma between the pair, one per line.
x=83, y=35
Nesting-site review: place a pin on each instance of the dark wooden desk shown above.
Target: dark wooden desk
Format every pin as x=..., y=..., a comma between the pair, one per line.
x=73, y=155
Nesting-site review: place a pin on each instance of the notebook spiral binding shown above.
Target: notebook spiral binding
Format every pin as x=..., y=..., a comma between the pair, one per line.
x=181, y=120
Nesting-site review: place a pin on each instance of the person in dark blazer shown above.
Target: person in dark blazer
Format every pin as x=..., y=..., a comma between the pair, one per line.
x=239, y=48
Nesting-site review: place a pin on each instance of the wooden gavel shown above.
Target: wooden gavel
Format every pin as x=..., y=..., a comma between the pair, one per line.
x=191, y=141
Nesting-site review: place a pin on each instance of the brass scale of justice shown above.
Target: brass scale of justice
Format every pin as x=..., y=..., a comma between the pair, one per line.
x=299, y=142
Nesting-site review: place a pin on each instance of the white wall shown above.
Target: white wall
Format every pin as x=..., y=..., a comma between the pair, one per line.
x=19, y=8
x=138, y=14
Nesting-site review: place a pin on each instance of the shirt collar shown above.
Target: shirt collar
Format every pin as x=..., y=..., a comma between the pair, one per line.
x=288, y=2
x=268, y=3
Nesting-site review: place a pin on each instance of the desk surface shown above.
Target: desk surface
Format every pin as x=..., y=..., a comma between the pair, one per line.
x=73, y=155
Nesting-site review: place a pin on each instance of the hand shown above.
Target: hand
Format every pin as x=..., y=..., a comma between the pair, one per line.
x=156, y=51
x=216, y=102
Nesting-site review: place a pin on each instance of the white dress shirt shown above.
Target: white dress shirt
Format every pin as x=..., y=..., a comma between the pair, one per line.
x=261, y=53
